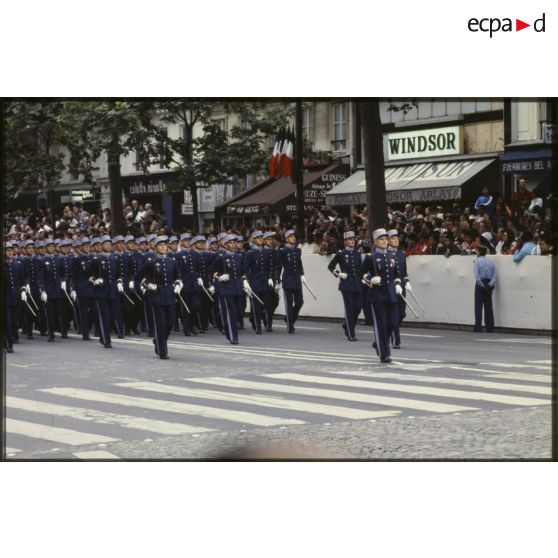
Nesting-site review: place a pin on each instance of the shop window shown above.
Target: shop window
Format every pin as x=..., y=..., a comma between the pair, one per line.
x=308, y=123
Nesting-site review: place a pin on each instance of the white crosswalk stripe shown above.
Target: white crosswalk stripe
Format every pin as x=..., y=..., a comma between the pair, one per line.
x=95, y=454
x=242, y=417
x=347, y=396
x=262, y=401
x=420, y=390
x=101, y=417
x=12, y=451
x=54, y=434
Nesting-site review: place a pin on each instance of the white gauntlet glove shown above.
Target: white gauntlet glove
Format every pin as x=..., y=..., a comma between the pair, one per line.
x=131, y=285
x=200, y=281
x=63, y=285
x=246, y=285
x=142, y=289
x=211, y=289
x=151, y=287
x=44, y=296
x=408, y=286
x=376, y=280
x=73, y=294
x=303, y=279
x=342, y=276
x=177, y=286
x=270, y=283
x=120, y=286
x=28, y=288
x=278, y=286
x=24, y=296
x=398, y=289
x=224, y=277
x=98, y=282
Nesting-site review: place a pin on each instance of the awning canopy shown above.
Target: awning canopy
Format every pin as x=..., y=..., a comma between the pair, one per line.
x=527, y=161
x=272, y=195
x=420, y=182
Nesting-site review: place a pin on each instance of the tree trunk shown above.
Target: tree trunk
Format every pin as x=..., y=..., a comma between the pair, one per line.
x=374, y=164
x=115, y=184
x=194, y=192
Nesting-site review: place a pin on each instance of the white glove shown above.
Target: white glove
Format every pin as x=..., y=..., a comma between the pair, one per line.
x=120, y=286
x=398, y=289
x=24, y=296
x=63, y=285
x=73, y=294
x=270, y=283
x=246, y=285
x=177, y=289
x=142, y=289
x=28, y=288
x=278, y=287
x=224, y=277
x=200, y=281
x=151, y=287
x=43, y=296
x=342, y=276
x=376, y=280
x=131, y=285
x=408, y=286
x=98, y=282
x=211, y=289
x=303, y=279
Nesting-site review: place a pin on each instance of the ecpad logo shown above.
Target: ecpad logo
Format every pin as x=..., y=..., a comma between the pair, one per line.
x=494, y=24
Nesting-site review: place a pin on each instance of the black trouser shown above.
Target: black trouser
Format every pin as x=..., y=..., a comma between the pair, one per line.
x=230, y=306
x=352, y=302
x=293, y=303
x=135, y=312
x=401, y=314
x=163, y=320
x=385, y=316
x=10, y=317
x=87, y=314
x=55, y=308
x=104, y=313
x=257, y=310
x=117, y=315
x=191, y=319
x=483, y=299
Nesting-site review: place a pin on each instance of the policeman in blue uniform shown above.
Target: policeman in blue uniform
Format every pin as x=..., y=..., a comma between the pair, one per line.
x=187, y=260
x=52, y=282
x=30, y=266
x=228, y=271
x=161, y=279
x=14, y=294
x=140, y=257
x=135, y=309
x=68, y=294
x=401, y=264
x=120, y=264
x=258, y=275
x=292, y=278
x=485, y=281
x=213, y=307
x=202, y=259
x=346, y=265
x=271, y=299
x=380, y=273
x=149, y=254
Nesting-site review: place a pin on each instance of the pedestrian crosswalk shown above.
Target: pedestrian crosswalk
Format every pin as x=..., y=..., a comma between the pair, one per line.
x=85, y=422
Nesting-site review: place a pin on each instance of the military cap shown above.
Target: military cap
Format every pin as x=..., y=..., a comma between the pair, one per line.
x=257, y=234
x=348, y=235
x=141, y=240
x=185, y=236
x=129, y=238
x=229, y=238
x=117, y=238
x=289, y=233
x=27, y=242
x=48, y=242
x=393, y=232
x=269, y=234
x=211, y=240
x=162, y=238
x=173, y=239
x=222, y=236
x=105, y=238
x=198, y=238
x=378, y=233
x=84, y=240
x=151, y=237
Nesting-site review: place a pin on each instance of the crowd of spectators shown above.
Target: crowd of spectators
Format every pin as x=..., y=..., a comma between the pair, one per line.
x=523, y=227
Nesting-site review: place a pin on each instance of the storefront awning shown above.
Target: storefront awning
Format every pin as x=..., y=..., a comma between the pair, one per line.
x=527, y=161
x=273, y=195
x=420, y=182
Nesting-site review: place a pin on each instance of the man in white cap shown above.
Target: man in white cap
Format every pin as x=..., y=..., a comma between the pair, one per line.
x=347, y=267
x=382, y=278
x=292, y=278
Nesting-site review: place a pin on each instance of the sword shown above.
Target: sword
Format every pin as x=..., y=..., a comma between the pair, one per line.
x=408, y=304
x=309, y=290
x=185, y=305
x=68, y=297
x=252, y=294
x=139, y=297
x=130, y=300
x=207, y=293
x=30, y=309
x=34, y=303
x=416, y=300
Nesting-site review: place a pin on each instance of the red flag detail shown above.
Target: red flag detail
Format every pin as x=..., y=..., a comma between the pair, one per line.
x=519, y=25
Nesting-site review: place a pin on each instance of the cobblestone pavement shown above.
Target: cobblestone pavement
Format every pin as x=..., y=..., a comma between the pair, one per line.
x=312, y=395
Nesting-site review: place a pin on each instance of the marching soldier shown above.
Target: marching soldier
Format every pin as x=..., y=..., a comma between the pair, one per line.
x=32, y=312
x=187, y=261
x=14, y=294
x=202, y=259
x=401, y=264
x=272, y=295
x=292, y=278
x=81, y=272
x=382, y=277
x=228, y=271
x=259, y=277
x=52, y=284
x=161, y=279
x=134, y=315
x=350, y=282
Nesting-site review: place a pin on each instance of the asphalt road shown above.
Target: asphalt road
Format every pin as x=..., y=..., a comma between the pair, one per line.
x=448, y=394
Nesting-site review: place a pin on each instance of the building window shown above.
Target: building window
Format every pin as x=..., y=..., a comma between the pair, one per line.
x=339, y=126
x=308, y=123
x=221, y=123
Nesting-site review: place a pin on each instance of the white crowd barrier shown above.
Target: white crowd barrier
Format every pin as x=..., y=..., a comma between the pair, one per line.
x=445, y=287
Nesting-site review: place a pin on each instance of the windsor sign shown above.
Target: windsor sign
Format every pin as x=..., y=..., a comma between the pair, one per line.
x=425, y=143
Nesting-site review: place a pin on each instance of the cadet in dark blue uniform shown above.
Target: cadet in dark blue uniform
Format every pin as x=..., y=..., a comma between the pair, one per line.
x=381, y=273
x=257, y=268
x=30, y=266
x=202, y=262
x=213, y=307
x=350, y=282
x=82, y=271
x=271, y=299
x=228, y=271
x=14, y=294
x=141, y=256
x=292, y=278
x=51, y=281
x=401, y=264
x=161, y=277
x=120, y=265
x=187, y=260
x=136, y=309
